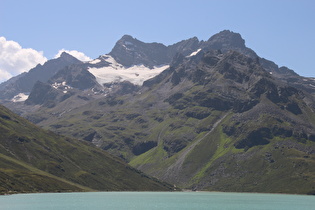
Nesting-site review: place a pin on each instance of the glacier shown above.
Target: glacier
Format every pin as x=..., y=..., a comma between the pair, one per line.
x=116, y=72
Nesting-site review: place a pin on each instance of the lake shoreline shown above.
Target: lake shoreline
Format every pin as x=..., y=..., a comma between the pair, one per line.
x=183, y=190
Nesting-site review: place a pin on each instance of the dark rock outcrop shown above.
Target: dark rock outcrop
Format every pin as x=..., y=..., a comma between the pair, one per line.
x=42, y=94
x=142, y=147
x=76, y=76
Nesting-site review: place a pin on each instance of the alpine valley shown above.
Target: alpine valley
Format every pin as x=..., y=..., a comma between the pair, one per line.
x=202, y=115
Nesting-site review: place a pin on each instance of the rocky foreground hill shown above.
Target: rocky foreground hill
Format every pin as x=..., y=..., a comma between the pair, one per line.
x=203, y=115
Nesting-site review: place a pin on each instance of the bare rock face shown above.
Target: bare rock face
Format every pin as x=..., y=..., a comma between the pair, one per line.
x=129, y=51
x=42, y=94
x=76, y=76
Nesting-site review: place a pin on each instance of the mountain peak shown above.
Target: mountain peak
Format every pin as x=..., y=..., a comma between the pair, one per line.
x=128, y=41
x=129, y=51
x=126, y=37
x=68, y=57
x=227, y=37
x=228, y=40
x=65, y=54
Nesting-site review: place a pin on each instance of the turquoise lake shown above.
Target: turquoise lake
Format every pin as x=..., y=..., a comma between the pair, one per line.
x=156, y=200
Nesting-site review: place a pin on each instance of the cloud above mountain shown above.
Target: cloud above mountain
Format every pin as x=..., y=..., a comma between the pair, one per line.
x=79, y=55
x=14, y=59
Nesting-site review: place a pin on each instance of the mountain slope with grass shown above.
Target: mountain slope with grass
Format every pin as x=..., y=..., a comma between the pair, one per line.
x=34, y=160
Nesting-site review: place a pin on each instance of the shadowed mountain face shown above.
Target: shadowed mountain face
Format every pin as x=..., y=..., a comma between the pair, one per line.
x=218, y=118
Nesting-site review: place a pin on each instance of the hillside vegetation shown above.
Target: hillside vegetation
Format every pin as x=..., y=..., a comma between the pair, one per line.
x=34, y=160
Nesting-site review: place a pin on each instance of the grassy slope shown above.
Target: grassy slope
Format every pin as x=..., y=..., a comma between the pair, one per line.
x=285, y=165
x=282, y=166
x=17, y=176
x=32, y=160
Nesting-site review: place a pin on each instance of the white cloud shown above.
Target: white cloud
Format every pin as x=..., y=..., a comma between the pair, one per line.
x=14, y=59
x=79, y=55
x=4, y=75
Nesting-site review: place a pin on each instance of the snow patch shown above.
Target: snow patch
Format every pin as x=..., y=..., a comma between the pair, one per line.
x=194, y=53
x=61, y=85
x=95, y=61
x=128, y=43
x=19, y=97
x=116, y=72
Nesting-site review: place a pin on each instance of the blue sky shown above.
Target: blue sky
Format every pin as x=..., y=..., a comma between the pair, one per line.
x=279, y=30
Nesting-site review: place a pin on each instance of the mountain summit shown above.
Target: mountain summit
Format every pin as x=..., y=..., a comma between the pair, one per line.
x=227, y=40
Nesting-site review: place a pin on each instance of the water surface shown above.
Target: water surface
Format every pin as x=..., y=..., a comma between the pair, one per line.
x=156, y=200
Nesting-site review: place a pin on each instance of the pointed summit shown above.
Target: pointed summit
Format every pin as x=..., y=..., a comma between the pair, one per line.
x=127, y=37
x=69, y=58
x=228, y=40
x=227, y=37
x=64, y=54
x=128, y=40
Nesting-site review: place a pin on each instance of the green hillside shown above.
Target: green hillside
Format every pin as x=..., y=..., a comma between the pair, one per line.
x=34, y=160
